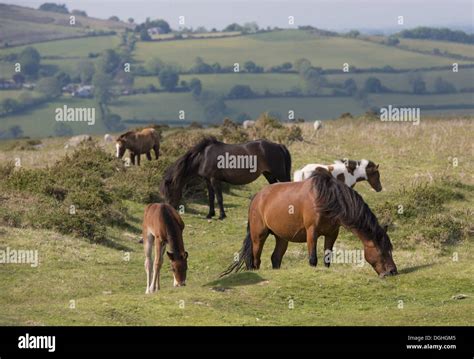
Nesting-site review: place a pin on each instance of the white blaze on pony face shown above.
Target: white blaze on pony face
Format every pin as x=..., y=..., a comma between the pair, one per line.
x=117, y=146
x=361, y=170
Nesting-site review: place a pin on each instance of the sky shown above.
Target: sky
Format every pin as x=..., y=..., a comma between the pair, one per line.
x=326, y=14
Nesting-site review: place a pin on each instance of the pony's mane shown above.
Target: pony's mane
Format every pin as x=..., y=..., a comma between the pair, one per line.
x=128, y=133
x=341, y=203
x=184, y=165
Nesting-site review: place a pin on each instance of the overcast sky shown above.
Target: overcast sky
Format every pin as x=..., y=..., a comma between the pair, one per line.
x=326, y=14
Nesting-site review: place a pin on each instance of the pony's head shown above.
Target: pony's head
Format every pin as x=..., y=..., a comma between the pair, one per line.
x=346, y=207
x=378, y=253
x=179, y=266
x=373, y=176
x=121, y=144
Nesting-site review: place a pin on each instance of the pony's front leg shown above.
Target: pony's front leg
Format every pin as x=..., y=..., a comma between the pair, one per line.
x=148, y=156
x=138, y=159
x=220, y=200
x=157, y=266
x=311, y=241
x=148, y=246
x=132, y=158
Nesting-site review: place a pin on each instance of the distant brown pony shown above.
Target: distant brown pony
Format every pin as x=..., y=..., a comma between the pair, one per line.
x=303, y=211
x=139, y=142
x=162, y=226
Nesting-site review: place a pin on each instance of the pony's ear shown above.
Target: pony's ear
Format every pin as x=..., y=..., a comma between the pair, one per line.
x=170, y=255
x=185, y=255
x=377, y=167
x=385, y=228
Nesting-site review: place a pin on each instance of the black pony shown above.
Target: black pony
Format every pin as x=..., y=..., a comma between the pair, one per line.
x=218, y=162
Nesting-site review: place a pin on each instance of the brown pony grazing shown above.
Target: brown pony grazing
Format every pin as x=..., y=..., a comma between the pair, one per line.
x=139, y=142
x=303, y=211
x=163, y=226
x=218, y=162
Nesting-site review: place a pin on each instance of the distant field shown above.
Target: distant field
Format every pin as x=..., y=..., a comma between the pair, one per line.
x=41, y=121
x=401, y=82
x=163, y=107
x=400, y=99
x=307, y=108
x=222, y=83
x=275, y=82
x=327, y=52
x=20, y=25
x=71, y=47
x=429, y=45
x=15, y=94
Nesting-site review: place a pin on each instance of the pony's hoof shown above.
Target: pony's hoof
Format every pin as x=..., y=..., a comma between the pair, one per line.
x=222, y=217
x=210, y=215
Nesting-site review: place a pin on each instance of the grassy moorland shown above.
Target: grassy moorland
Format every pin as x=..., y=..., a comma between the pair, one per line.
x=107, y=287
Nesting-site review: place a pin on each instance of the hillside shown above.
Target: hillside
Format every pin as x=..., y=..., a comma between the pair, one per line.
x=21, y=25
x=79, y=282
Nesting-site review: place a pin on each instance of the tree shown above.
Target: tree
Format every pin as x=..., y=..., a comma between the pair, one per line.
x=109, y=62
x=49, y=6
x=373, y=85
x=301, y=65
x=63, y=78
x=79, y=13
x=30, y=61
x=102, y=88
x=251, y=67
x=85, y=71
x=154, y=65
x=234, y=27
x=200, y=67
x=9, y=105
x=114, y=18
x=144, y=35
x=392, y=41
x=15, y=131
x=62, y=129
x=417, y=84
x=168, y=78
x=443, y=86
x=131, y=20
x=18, y=78
x=195, y=86
x=350, y=86
x=49, y=87
x=241, y=91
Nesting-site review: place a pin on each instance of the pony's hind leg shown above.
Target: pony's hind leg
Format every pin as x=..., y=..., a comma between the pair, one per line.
x=258, y=236
x=156, y=148
x=148, y=156
x=280, y=248
x=328, y=245
x=311, y=241
x=220, y=199
x=148, y=240
x=211, y=193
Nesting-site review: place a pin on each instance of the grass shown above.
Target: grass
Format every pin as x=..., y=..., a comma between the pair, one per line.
x=108, y=289
x=430, y=45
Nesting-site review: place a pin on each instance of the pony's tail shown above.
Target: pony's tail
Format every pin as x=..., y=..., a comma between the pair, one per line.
x=287, y=156
x=245, y=257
